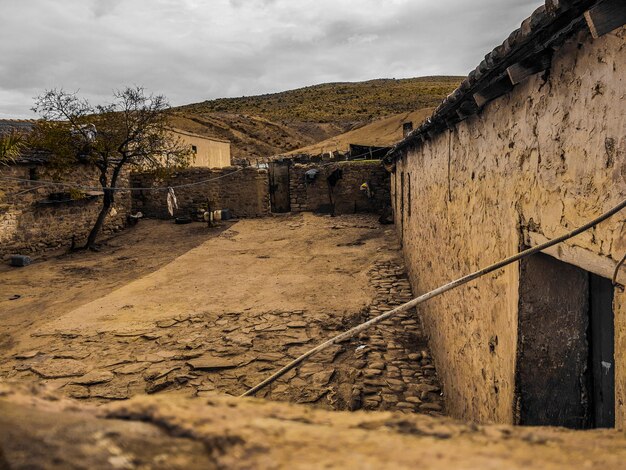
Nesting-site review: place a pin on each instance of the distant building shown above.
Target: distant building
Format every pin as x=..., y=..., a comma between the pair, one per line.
x=209, y=152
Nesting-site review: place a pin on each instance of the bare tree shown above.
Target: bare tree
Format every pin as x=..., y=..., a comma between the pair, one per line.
x=131, y=132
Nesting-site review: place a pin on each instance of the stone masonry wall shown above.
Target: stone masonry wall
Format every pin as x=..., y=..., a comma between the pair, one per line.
x=347, y=195
x=544, y=159
x=27, y=226
x=245, y=193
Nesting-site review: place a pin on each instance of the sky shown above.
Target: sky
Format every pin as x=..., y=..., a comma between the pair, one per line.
x=193, y=50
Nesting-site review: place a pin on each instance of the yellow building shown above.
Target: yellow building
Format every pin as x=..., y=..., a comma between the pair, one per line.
x=209, y=152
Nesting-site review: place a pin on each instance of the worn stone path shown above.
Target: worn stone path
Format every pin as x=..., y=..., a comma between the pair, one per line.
x=398, y=371
x=386, y=368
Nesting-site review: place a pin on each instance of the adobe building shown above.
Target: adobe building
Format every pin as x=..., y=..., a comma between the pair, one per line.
x=209, y=152
x=530, y=146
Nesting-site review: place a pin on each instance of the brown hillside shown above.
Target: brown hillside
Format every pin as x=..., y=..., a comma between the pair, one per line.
x=382, y=133
x=266, y=125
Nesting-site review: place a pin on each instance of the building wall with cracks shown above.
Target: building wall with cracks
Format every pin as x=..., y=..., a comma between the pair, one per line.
x=534, y=164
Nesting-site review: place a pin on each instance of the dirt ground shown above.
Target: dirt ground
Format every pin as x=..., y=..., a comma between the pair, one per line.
x=188, y=310
x=218, y=432
x=189, y=315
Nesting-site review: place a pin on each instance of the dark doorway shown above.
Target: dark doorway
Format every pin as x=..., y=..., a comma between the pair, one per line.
x=565, y=365
x=280, y=198
x=602, y=357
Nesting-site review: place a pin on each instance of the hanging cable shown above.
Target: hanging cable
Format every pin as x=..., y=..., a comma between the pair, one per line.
x=44, y=183
x=434, y=293
x=100, y=188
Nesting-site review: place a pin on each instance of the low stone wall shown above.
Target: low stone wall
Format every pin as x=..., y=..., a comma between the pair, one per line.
x=245, y=191
x=347, y=195
x=28, y=225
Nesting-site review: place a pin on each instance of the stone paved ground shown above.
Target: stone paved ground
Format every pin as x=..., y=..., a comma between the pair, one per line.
x=196, y=354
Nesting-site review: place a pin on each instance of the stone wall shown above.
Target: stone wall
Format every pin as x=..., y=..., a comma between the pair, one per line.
x=245, y=191
x=534, y=164
x=28, y=225
x=347, y=196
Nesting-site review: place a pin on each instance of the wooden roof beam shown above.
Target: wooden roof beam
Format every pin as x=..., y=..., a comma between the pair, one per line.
x=606, y=16
x=521, y=71
x=495, y=89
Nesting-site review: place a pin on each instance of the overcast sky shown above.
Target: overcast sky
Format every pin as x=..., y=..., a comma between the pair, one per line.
x=193, y=50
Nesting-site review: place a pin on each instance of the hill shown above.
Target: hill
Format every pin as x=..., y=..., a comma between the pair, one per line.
x=265, y=125
x=382, y=133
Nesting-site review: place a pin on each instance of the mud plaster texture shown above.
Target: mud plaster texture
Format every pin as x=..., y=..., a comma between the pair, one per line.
x=546, y=158
x=347, y=195
x=217, y=432
x=29, y=227
x=245, y=193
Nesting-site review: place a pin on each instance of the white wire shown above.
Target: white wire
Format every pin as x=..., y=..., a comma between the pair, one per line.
x=44, y=183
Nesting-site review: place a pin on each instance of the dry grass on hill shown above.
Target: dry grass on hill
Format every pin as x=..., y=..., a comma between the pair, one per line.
x=261, y=126
x=382, y=133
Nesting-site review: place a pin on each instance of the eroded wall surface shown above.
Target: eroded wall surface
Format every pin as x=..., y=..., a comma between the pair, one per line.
x=347, y=195
x=244, y=191
x=546, y=158
x=30, y=225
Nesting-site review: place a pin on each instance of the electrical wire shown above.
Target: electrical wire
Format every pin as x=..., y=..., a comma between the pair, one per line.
x=44, y=183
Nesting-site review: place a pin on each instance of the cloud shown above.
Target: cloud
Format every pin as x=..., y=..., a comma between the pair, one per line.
x=192, y=50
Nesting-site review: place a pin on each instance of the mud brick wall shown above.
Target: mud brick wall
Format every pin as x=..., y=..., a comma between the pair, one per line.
x=347, y=196
x=29, y=227
x=537, y=162
x=244, y=191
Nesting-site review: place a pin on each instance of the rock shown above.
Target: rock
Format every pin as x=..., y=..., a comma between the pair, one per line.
x=372, y=373
x=154, y=358
x=296, y=324
x=76, y=391
x=77, y=355
x=414, y=400
x=94, y=377
x=27, y=355
x=426, y=388
x=321, y=379
x=157, y=386
x=55, y=369
x=430, y=407
x=270, y=357
x=394, y=381
x=208, y=362
x=133, y=368
x=296, y=340
x=390, y=398
x=110, y=391
x=158, y=373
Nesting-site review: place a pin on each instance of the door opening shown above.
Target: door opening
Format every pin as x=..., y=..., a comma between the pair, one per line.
x=280, y=196
x=565, y=358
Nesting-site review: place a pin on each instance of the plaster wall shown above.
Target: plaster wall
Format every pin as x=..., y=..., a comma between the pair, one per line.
x=210, y=153
x=546, y=158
